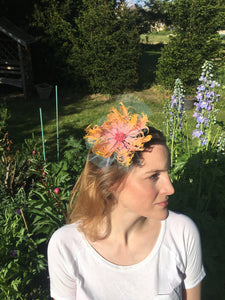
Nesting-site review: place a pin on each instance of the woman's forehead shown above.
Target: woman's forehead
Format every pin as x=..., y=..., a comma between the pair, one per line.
x=155, y=158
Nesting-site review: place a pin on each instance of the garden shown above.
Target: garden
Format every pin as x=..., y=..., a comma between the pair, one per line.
x=42, y=150
x=36, y=182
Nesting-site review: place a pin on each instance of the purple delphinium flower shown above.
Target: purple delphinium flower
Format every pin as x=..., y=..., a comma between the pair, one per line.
x=175, y=117
x=177, y=108
x=206, y=97
x=18, y=211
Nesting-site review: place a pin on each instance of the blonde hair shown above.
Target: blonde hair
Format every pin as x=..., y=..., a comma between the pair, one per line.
x=92, y=200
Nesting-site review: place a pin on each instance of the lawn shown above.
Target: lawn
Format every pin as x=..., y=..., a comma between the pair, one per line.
x=157, y=37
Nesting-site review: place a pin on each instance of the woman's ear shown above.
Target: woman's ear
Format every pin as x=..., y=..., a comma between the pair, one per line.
x=113, y=188
x=117, y=187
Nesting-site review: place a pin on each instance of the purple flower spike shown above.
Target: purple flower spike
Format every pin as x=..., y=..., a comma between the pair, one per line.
x=177, y=107
x=204, y=114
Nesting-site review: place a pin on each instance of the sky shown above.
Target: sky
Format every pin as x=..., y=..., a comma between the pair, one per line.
x=134, y=1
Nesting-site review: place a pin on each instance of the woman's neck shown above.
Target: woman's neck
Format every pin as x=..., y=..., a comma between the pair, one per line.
x=130, y=240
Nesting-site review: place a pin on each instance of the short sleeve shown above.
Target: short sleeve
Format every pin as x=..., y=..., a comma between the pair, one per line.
x=194, y=271
x=61, y=266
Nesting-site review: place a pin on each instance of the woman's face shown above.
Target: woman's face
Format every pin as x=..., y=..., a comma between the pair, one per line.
x=145, y=190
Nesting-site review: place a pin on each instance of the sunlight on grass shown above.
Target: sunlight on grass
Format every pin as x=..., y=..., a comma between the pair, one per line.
x=161, y=37
x=74, y=115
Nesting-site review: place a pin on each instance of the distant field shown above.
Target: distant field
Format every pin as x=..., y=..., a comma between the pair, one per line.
x=161, y=37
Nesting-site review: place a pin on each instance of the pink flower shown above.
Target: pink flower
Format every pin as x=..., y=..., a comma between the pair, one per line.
x=34, y=152
x=43, y=173
x=57, y=190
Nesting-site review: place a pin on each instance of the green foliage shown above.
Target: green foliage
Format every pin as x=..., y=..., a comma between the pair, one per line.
x=199, y=185
x=21, y=263
x=108, y=46
x=158, y=11
x=195, y=40
x=199, y=17
x=57, y=39
x=34, y=198
x=4, y=117
x=198, y=178
x=89, y=41
x=183, y=57
x=50, y=194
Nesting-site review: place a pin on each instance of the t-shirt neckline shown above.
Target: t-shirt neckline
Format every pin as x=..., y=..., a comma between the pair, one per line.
x=101, y=259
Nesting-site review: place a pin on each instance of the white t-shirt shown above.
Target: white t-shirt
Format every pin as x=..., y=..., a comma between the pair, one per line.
x=77, y=271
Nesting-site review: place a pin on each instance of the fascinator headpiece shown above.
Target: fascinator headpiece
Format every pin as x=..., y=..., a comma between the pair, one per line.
x=123, y=132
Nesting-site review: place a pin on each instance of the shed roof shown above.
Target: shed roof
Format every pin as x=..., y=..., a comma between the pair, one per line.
x=14, y=32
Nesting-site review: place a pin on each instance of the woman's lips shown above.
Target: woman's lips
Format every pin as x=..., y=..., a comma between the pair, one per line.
x=162, y=204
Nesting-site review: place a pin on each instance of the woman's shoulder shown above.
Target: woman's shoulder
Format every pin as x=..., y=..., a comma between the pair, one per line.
x=178, y=223
x=179, y=218
x=68, y=233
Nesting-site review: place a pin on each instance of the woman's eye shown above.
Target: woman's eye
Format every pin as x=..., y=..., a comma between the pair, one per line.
x=154, y=176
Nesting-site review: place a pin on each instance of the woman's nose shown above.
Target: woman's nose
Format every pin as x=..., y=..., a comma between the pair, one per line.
x=168, y=188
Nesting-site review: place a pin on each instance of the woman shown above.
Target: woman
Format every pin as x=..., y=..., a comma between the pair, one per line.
x=122, y=243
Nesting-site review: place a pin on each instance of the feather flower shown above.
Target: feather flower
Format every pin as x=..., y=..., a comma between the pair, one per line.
x=120, y=135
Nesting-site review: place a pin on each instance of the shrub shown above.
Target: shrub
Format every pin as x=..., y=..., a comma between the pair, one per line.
x=195, y=40
x=108, y=46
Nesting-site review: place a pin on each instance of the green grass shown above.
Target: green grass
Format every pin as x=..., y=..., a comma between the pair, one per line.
x=161, y=37
x=75, y=113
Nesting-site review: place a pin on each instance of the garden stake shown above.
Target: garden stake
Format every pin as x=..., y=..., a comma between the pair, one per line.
x=42, y=134
x=57, y=122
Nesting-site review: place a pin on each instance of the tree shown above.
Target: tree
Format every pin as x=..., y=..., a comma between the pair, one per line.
x=195, y=40
x=108, y=46
x=53, y=22
x=158, y=11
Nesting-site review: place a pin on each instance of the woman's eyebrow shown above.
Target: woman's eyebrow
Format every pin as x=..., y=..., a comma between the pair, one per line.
x=156, y=171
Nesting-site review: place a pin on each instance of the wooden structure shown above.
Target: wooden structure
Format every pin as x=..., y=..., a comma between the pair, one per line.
x=15, y=59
